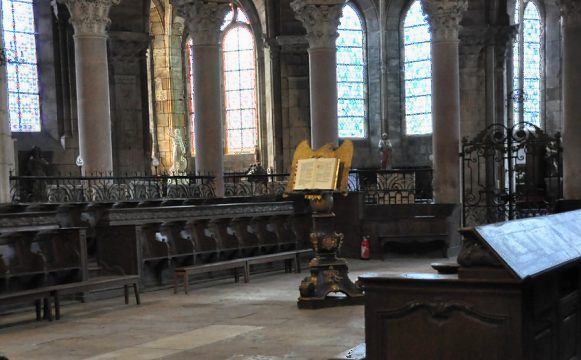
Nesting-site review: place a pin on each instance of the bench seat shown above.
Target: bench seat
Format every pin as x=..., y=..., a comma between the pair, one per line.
x=234, y=264
x=289, y=257
x=98, y=283
x=35, y=295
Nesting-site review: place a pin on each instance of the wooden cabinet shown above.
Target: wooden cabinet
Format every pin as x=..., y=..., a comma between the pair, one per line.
x=516, y=296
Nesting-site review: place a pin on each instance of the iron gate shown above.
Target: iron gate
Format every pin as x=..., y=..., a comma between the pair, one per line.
x=510, y=173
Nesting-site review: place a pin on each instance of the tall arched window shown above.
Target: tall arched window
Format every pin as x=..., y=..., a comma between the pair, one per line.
x=190, y=75
x=527, y=63
x=21, y=65
x=351, y=74
x=417, y=71
x=239, y=84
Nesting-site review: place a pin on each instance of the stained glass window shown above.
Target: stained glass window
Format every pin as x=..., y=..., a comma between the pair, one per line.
x=527, y=65
x=239, y=85
x=351, y=79
x=190, y=57
x=417, y=72
x=22, y=71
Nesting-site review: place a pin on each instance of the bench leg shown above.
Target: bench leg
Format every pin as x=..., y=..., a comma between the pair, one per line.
x=246, y=272
x=126, y=293
x=57, y=306
x=175, y=284
x=185, y=281
x=136, y=291
x=48, y=308
x=298, y=263
x=38, y=310
x=235, y=275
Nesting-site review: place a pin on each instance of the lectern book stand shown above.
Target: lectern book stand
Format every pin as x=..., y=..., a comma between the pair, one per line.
x=317, y=175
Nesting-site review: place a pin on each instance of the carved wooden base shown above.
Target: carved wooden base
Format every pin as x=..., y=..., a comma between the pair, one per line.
x=327, y=277
x=357, y=353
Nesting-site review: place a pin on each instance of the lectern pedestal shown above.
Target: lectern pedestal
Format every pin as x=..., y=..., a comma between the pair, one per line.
x=328, y=284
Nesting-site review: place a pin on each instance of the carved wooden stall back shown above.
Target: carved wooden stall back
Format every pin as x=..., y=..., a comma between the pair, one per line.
x=516, y=296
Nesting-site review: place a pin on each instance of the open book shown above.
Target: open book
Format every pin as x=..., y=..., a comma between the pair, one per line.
x=317, y=174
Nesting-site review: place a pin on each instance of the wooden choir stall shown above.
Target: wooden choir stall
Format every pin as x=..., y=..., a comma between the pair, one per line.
x=514, y=295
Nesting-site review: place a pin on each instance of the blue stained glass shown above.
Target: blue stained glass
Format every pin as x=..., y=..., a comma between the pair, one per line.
x=350, y=90
x=417, y=72
x=22, y=70
x=350, y=73
x=351, y=83
x=190, y=55
x=345, y=56
x=527, y=66
x=239, y=85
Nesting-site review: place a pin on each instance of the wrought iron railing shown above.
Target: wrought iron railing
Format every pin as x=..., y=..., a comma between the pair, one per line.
x=241, y=184
x=401, y=186
x=108, y=188
x=398, y=186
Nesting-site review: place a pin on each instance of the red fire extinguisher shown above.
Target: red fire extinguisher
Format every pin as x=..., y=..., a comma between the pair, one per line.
x=365, y=248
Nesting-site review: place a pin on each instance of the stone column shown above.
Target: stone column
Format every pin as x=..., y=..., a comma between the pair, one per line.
x=203, y=20
x=472, y=67
x=444, y=18
x=128, y=99
x=90, y=19
x=571, y=12
x=321, y=19
x=6, y=142
x=503, y=40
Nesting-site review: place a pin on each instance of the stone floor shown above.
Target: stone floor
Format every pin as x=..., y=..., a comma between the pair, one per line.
x=217, y=320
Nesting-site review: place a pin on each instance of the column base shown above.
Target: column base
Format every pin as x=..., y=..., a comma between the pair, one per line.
x=328, y=276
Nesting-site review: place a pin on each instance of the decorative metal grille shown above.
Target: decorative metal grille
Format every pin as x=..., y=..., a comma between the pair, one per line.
x=402, y=186
x=510, y=173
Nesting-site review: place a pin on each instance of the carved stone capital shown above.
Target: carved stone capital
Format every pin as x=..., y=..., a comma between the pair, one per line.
x=321, y=19
x=203, y=19
x=571, y=12
x=503, y=40
x=128, y=47
x=473, y=41
x=89, y=17
x=444, y=17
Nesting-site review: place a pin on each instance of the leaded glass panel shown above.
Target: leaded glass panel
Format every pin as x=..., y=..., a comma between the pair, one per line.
x=417, y=72
x=22, y=69
x=190, y=48
x=239, y=85
x=351, y=83
x=527, y=66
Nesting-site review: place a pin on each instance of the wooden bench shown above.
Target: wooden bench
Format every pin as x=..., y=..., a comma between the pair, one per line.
x=47, y=293
x=234, y=264
x=36, y=295
x=99, y=283
x=289, y=258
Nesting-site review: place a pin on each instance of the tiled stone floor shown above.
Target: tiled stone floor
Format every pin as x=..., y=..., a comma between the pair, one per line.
x=220, y=320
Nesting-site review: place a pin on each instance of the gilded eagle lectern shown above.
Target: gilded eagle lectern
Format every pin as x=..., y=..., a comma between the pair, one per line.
x=328, y=284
